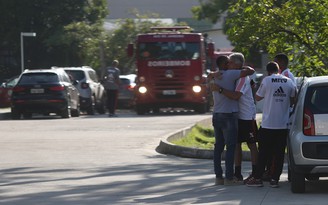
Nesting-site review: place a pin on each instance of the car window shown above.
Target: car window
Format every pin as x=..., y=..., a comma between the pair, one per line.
x=93, y=75
x=32, y=78
x=319, y=100
x=65, y=77
x=125, y=81
x=76, y=74
x=12, y=83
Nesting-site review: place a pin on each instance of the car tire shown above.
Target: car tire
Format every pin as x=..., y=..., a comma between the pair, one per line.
x=297, y=182
x=76, y=112
x=66, y=113
x=91, y=108
x=156, y=110
x=201, y=109
x=101, y=108
x=15, y=114
x=141, y=110
x=27, y=115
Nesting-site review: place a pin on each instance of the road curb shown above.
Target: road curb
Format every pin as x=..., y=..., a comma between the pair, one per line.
x=166, y=147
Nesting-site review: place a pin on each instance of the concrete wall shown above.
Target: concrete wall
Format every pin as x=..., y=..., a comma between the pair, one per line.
x=165, y=8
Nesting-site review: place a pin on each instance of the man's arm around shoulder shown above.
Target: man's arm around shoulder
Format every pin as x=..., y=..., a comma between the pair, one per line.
x=247, y=70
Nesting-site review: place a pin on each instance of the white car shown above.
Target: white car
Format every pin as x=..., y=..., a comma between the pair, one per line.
x=308, y=137
x=92, y=92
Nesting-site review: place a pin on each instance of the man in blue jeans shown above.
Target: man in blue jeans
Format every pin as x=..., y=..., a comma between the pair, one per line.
x=225, y=115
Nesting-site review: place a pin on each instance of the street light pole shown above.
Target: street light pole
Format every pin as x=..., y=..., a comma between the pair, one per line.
x=31, y=34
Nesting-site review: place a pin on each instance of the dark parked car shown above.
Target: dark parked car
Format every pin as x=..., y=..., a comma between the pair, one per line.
x=6, y=90
x=308, y=136
x=44, y=92
x=92, y=93
x=126, y=91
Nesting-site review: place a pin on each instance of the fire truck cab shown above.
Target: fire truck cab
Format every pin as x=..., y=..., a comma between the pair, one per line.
x=171, y=69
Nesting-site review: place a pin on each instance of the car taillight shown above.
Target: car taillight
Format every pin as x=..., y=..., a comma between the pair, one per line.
x=84, y=85
x=308, y=123
x=18, y=89
x=57, y=88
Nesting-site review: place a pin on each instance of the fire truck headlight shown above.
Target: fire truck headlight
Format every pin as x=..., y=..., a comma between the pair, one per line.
x=196, y=88
x=142, y=89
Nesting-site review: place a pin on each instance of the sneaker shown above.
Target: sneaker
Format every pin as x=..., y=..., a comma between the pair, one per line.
x=266, y=176
x=239, y=177
x=252, y=182
x=274, y=183
x=233, y=181
x=219, y=181
x=248, y=178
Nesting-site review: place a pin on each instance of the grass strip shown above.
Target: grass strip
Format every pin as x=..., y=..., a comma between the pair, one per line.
x=201, y=138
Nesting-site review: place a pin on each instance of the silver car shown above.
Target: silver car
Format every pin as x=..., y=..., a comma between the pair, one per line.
x=308, y=137
x=92, y=92
x=126, y=91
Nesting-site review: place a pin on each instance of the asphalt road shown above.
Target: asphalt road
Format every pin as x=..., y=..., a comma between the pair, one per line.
x=100, y=160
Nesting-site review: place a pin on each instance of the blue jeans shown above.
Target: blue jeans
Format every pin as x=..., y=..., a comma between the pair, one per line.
x=226, y=131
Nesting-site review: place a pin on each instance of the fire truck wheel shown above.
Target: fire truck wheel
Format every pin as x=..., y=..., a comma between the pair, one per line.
x=201, y=109
x=141, y=110
x=156, y=110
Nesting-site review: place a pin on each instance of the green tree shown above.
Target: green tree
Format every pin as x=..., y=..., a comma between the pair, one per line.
x=68, y=31
x=211, y=10
x=295, y=27
x=116, y=42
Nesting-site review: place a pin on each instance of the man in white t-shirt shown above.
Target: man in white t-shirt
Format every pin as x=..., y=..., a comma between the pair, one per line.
x=282, y=61
x=278, y=93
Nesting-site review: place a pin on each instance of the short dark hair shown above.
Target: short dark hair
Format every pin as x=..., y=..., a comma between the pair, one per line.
x=272, y=67
x=282, y=58
x=222, y=61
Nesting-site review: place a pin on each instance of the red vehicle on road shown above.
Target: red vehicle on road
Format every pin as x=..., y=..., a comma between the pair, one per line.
x=6, y=90
x=171, y=69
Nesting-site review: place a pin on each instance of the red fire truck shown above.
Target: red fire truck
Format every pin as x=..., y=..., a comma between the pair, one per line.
x=171, y=69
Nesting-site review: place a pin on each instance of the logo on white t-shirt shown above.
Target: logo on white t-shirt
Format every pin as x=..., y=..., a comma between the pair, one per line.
x=279, y=93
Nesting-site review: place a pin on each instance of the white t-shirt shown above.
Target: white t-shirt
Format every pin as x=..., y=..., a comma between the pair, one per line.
x=277, y=91
x=247, y=110
x=288, y=74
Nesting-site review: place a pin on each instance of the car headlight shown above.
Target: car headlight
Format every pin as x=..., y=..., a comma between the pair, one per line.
x=142, y=89
x=196, y=88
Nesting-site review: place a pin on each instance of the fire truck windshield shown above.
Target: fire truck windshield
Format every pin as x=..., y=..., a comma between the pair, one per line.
x=169, y=51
